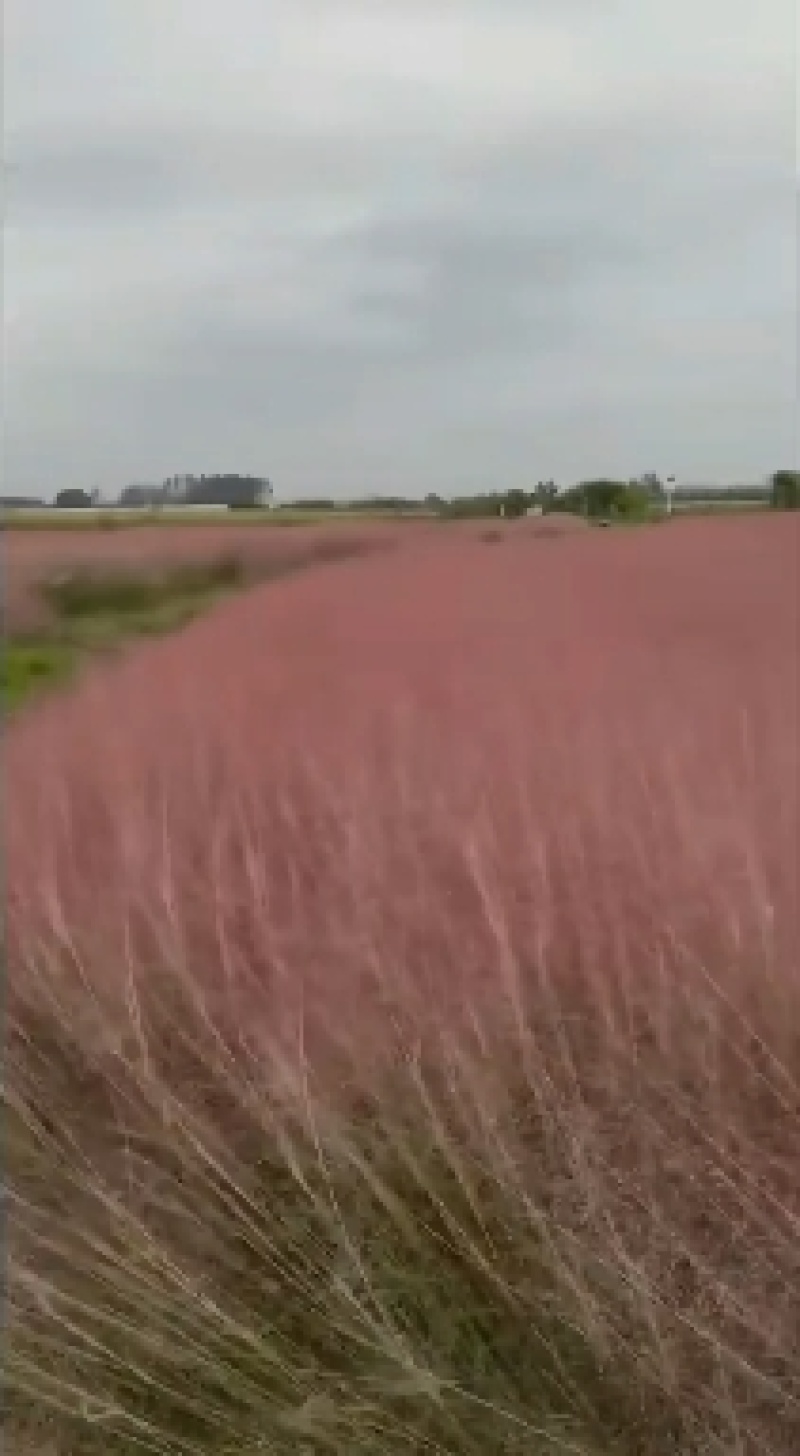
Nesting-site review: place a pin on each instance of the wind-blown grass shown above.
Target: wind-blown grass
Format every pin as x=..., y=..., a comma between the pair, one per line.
x=411, y=1174
x=403, y=1015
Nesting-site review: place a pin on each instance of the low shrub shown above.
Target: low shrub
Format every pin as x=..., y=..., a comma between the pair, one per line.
x=86, y=592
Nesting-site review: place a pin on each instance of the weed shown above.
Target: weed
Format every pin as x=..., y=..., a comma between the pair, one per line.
x=87, y=593
x=26, y=667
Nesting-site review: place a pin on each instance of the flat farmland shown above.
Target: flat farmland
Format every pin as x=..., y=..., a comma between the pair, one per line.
x=493, y=837
x=582, y=671
x=32, y=555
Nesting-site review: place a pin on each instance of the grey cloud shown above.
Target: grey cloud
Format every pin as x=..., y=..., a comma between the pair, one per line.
x=478, y=287
x=387, y=295
x=86, y=177
x=516, y=255
x=118, y=180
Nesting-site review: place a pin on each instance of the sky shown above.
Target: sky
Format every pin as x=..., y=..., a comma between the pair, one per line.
x=399, y=246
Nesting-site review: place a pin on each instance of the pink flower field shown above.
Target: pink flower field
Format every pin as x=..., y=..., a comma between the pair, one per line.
x=459, y=884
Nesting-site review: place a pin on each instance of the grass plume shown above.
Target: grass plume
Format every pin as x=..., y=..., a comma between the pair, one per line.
x=551, y=1209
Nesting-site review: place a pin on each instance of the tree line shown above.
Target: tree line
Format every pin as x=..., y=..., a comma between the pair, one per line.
x=596, y=499
x=593, y=498
x=604, y=499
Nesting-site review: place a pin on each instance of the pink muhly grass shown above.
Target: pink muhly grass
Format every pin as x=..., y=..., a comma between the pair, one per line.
x=425, y=1084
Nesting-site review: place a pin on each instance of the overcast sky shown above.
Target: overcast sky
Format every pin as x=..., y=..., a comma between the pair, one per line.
x=399, y=245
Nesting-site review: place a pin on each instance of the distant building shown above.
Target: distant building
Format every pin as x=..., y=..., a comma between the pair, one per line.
x=235, y=491
x=137, y=497
x=21, y=503
x=232, y=491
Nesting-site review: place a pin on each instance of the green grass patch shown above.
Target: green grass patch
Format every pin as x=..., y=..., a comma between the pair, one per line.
x=94, y=611
x=102, y=609
x=27, y=667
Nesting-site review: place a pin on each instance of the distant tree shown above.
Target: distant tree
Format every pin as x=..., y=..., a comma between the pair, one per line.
x=392, y=504
x=604, y=497
x=650, y=483
x=516, y=503
x=590, y=497
x=633, y=500
x=785, y=490
x=473, y=507
x=600, y=499
x=73, y=498
x=569, y=500
x=545, y=493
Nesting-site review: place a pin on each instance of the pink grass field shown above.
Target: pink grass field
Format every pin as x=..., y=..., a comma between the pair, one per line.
x=612, y=718
x=29, y=557
x=630, y=698
x=434, y=789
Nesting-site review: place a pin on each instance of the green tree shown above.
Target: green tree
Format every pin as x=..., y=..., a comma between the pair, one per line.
x=785, y=490
x=515, y=503
x=601, y=497
x=546, y=492
x=632, y=501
